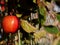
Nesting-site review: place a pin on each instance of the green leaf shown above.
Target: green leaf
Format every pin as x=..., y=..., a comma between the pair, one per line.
x=19, y=5
x=34, y=1
x=43, y=14
x=58, y=43
x=51, y=29
x=41, y=19
x=42, y=10
x=58, y=17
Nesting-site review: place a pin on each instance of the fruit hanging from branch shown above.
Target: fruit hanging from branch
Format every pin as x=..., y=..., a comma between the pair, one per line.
x=10, y=24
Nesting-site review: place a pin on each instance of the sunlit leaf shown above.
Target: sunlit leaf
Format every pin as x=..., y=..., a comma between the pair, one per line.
x=58, y=43
x=58, y=34
x=18, y=15
x=27, y=26
x=34, y=1
x=51, y=29
x=42, y=10
x=18, y=5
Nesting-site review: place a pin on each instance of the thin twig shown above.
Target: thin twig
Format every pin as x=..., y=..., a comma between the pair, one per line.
x=19, y=37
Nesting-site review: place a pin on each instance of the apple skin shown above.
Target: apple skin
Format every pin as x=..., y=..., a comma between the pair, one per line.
x=2, y=2
x=3, y=8
x=10, y=24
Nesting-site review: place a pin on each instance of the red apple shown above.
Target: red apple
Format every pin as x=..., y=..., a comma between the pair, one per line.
x=2, y=2
x=10, y=24
x=3, y=8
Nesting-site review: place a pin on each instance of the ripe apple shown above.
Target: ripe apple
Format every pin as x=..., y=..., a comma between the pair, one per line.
x=2, y=2
x=3, y=8
x=10, y=24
